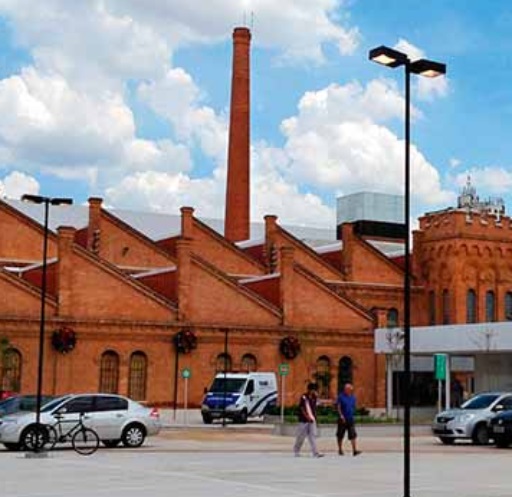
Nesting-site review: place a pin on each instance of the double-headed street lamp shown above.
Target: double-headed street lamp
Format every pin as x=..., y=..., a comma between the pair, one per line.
x=393, y=58
x=47, y=201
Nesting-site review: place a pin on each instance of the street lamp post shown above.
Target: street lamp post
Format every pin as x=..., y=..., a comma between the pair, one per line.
x=47, y=201
x=393, y=58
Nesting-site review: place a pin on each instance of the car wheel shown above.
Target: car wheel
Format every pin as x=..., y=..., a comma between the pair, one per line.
x=110, y=444
x=480, y=435
x=34, y=437
x=207, y=419
x=502, y=442
x=447, y=441
x=133, y=435
x=12, y=446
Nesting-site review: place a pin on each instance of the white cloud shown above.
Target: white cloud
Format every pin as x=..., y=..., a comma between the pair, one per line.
x=336, y=142
x=177, y=98
x=15, y=184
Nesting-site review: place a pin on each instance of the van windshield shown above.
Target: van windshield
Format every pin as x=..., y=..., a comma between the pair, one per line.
x=229, y=385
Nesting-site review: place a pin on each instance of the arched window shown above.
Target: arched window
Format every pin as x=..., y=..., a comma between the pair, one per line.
x=345, y=372
x=508, y=306
x=323, y=376
x=392, y=318
x=446, y=307
x=490, y=306
x=11, y=370
x=109, y=372
x=471, y=307
x=223, y=363
x=431, y=308
x=249, y=363
x=138, y=376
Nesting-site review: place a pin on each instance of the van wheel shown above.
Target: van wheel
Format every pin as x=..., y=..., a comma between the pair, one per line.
x=242, y=417
x=480, y=435
x=207, y=419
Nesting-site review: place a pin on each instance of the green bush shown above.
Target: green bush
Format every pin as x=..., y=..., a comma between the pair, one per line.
x=326, y=414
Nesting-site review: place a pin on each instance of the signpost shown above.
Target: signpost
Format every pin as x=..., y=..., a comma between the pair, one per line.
x=284, y=370
x=185, y=374
x=441, y=373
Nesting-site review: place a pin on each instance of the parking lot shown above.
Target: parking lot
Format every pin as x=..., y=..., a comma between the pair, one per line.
x=250, y=461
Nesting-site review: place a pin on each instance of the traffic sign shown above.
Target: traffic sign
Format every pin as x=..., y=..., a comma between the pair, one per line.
x=186, y=373
x=440, y=366
x=284, y=369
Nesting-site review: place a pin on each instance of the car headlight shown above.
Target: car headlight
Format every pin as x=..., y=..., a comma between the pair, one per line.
x=463, y=418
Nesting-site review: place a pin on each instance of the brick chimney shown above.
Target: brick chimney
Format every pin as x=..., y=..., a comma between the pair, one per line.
x=66, y=236
x=287, y=285
x=237, y=218
x=94, y=226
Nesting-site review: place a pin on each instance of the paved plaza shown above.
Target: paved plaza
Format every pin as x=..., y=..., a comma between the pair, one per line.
x=250, y=461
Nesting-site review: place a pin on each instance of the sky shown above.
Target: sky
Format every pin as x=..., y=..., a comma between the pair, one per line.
x=128, y=100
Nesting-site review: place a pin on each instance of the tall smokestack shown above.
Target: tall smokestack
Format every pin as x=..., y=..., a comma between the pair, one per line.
x=236, y=221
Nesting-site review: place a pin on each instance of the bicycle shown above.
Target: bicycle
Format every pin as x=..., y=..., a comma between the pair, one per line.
x=84, y=440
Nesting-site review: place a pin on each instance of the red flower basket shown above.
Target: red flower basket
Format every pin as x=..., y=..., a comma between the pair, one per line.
x=185, y=341
x=289, y=347
x=64, y=340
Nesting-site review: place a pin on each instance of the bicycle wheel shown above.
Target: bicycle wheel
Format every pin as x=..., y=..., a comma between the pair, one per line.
x=85, y=441
x=52, y=437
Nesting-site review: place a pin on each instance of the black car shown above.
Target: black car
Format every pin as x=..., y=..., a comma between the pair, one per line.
x=18, y=403
x=500, y=428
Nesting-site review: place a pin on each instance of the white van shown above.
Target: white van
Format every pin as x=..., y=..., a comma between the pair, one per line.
x=239, y=396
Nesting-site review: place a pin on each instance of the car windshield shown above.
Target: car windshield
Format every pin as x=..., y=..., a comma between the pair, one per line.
x=229, y=385
x=480, y=401
x=53, y=403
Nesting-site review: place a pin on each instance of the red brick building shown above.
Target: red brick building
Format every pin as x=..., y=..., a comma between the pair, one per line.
x=123, y=285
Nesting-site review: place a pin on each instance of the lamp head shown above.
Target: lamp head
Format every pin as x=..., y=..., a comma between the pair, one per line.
x=34, y=199
x=427, y=68
x=61, y=201
x=388, y=56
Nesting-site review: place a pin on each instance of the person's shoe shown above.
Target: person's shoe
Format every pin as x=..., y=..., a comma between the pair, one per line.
x=357, y=452
x=318, y=455
x=341, y=453
x=296, y=454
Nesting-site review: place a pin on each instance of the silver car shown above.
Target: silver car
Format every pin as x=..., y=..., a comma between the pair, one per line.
x=115, y=418
x=470, y=421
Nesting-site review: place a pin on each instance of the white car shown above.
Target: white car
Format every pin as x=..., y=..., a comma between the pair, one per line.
x=114, y=418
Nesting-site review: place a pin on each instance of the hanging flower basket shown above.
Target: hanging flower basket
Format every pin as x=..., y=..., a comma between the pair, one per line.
x=64, y=340
x=289, y=347
x=185, y=341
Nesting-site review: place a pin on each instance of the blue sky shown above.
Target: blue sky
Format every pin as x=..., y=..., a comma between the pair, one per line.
x=129, y=99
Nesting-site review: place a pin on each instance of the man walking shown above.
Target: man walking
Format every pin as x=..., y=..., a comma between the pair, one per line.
x=307, y=421
x=346, y=406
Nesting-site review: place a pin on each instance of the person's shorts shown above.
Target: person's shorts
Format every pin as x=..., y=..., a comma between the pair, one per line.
x=348, y=427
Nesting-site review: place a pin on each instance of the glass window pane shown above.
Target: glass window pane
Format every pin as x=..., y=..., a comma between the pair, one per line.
x=109, y=372
x=138, y=376
x=490, y=306
x=471, y=307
